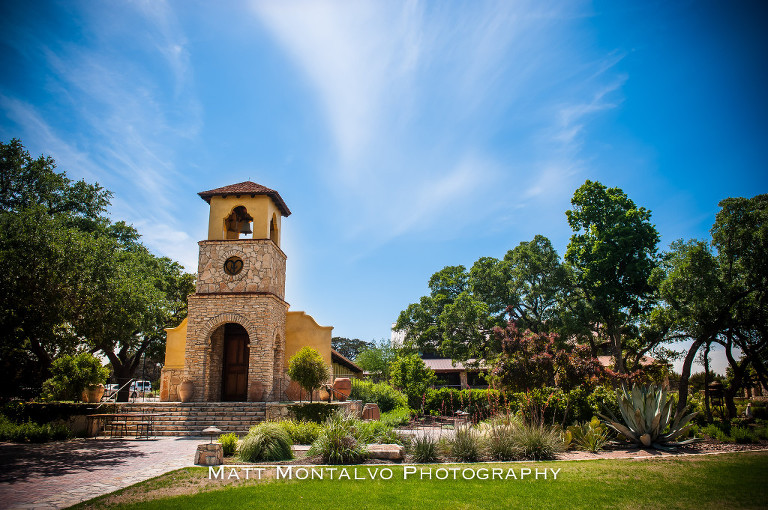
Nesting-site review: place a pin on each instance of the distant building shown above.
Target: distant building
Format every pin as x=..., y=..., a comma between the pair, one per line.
x=456, y=375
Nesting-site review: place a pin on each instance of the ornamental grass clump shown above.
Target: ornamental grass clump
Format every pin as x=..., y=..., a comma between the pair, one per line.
x=301, y=431
x=590, y=436
x=266, y=442
x=424, y=448
x=338, y=443
x=500, y=442
x=465, y=445
x=377, y=432
x=537, y=442
x=228, y=443
x=646, y=413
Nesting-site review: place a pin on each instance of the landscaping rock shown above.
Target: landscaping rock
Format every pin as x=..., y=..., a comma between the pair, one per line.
x=386, y=451
x=209, y=455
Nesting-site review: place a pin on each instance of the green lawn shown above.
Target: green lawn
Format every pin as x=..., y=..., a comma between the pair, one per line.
x=723, y=481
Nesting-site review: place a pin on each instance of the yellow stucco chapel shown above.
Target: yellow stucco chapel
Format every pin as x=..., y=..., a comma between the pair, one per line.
x=239, y=334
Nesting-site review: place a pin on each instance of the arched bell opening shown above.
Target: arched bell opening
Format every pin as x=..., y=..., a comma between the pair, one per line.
x=239, y=224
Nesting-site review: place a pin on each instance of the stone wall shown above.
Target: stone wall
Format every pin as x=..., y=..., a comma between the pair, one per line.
x=262, y=316
x=263, y=267
x=170, y=379
x=282, y=410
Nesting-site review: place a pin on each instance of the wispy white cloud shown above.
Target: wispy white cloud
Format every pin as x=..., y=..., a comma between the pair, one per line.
x=131, y=109
x=435, y=107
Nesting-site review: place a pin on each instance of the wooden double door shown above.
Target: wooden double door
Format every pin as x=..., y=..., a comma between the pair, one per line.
x=234, y=374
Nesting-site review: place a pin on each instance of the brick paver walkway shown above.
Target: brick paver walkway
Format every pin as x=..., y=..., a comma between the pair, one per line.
x=61, y=474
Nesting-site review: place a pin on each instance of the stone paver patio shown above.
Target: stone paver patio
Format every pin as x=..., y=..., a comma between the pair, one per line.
x=61, y=474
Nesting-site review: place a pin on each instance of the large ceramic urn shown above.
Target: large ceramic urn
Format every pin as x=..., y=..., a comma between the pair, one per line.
x=342, y=387
x=186, y=391
x=92, y=394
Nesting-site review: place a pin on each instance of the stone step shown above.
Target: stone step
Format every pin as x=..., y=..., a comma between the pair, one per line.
x=176, y=419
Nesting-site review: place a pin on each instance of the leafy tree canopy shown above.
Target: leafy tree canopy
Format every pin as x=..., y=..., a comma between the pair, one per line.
x=456, y=319
x=410, y=375
x=70, y=375
x=349, y=347
x=612, y=253
x=70, y=279
x=307, y=368
x=376, y=358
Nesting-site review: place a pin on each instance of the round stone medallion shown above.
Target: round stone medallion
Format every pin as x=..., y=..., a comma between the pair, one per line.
x=233, y=265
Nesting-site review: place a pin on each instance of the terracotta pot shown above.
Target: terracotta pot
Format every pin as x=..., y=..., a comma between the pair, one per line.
x=342, y=387
x=186, y=391
x=93, y=394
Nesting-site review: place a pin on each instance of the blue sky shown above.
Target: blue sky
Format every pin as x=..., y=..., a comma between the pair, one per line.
x=404, y=136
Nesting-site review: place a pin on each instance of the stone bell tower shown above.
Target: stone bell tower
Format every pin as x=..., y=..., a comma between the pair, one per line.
x=235, y=341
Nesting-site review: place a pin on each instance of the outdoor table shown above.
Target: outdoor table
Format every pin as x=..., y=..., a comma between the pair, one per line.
x=145, y=422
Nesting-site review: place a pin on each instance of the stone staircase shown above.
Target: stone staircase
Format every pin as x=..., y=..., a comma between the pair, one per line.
x=178, y=419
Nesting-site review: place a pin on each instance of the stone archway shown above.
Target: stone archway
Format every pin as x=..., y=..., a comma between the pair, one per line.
x=230, y=340
x=234, y=371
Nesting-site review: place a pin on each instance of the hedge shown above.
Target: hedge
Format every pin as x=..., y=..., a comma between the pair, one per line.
x=553, y=405
x=384, y=395
x=46, y=412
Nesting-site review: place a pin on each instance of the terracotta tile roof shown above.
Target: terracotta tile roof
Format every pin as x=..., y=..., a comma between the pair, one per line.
x=247, y=188
x=337, y=357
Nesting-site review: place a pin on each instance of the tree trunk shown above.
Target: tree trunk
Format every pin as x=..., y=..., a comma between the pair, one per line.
x=44, y=359
x=124, y=366
x=706, y=383
x=123, y=375
x=738, y=373
x=618, y=358
x=682, y=400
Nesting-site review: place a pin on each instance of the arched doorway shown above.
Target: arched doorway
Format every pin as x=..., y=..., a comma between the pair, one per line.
x=234, y=372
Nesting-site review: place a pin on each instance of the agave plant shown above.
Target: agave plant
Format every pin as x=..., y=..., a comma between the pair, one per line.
x=646, y=413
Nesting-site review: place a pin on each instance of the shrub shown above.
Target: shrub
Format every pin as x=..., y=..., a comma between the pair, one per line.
x=500, y=442
x=377, y=432
x=537, y=442
x=228, y=443
x=590, y=436
x=70, y=375
x=424, y=448
x=715, y=432
x=529, y=359
x=464, y=446
x=45, y=412
x=266, y=442
x=382, y=394
x=411, y=375
x=301, y=432
x=316, y=412
x=308, y=368
x=759, y=410
x=397, y=417
x=743, y=435
x=32, y=432
x=338, y=442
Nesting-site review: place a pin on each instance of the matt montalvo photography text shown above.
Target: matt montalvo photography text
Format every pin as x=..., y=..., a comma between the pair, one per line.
x=249, y=472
